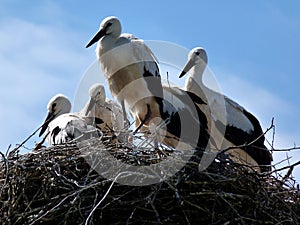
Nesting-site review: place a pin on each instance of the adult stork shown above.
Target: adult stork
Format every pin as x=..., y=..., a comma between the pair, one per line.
x=131, y=70
x=61, y=126
x=239, y=125
x=104, y=113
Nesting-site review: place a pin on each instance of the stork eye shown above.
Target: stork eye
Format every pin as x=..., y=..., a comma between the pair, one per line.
x=197, y=53
x=108, y=25
x=53, y=106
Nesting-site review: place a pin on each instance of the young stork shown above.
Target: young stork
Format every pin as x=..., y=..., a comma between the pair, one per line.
x=131, y=70
x=104, y=113
x=61, y=126
x=239, y=125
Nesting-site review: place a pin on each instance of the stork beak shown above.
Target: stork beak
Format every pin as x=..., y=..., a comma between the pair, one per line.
x=96, y=38
x=49, y=118
x=186, y=68
x=90, y=106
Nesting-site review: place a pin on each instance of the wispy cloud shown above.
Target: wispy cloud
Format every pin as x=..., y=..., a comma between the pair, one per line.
x=257, y=99
x=37, y=61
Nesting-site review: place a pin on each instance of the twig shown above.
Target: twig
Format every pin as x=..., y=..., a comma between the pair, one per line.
x=273, y=137
x=248, y=144
x=20, y=145
x=7, y=151
x=168, y=79
x=288, y=174
x=6, y=172
x=131, y=215
x=232, y=207
x=151, y=200
x=64, y=199
x=281, y=161
x=9, y=192
x=283, y=168
x=105, y=195
x=39, y=144
x=286, y=149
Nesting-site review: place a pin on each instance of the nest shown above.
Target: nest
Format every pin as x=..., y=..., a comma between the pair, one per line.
x=58, y=185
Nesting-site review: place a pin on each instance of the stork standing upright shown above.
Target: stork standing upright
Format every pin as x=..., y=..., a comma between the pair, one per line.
x=61, y=126
x=131, y=70
x=239, y=125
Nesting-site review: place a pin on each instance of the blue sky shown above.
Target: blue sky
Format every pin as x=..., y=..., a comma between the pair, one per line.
x=252, y=47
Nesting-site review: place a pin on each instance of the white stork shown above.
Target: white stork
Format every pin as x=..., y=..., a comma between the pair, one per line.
x=131, y=70
x=239, y=125
x=61, y=126
x=104, y=113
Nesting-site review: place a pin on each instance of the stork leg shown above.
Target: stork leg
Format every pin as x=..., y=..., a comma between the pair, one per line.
x=123, y=136
x=126, y=121
x=155, y=142
x=147, y=116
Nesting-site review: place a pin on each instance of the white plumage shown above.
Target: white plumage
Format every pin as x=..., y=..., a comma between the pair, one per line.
x=104, y=113
x=131, y=70
x=228, y=117
x=61, y=126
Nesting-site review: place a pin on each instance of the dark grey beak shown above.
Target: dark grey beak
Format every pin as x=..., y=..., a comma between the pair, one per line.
x=48, y=119
x=90, y=106
x=96, y=38
x=187, y=67
x=182, y=74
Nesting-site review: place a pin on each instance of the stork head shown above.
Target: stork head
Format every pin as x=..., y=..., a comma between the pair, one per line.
x=196, y=57
x=109, y=26
x=58, y=105
x=97, y=94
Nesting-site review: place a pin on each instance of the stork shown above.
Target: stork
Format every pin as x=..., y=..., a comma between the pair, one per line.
x=61, y=126
x=131, y=71
x=105, y=114
x=239, y=125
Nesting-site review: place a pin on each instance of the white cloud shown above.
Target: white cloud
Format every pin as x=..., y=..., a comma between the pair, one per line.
x=37, y=61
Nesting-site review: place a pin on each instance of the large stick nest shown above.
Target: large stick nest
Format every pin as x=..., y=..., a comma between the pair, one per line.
x=56, y=185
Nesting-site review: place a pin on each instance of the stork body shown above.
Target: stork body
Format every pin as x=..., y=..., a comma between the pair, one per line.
x=184, y=121
x=131, y=70
x=104, y=113
x=238, y=125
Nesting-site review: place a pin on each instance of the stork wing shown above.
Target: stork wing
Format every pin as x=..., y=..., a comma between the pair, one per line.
x=184, y=111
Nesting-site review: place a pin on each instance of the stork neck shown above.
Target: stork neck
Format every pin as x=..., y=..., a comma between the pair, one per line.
x=200, y=67
x=106, y=43
x=63, y=112
x=197, y=72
